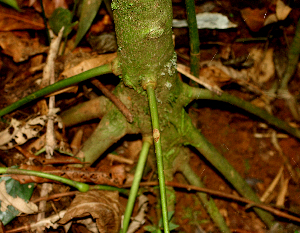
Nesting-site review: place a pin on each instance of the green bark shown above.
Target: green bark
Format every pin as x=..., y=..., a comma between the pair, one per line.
x=196, y=93
x=194, y=37
x=207, y=202
x=197, y=140
x=95, y=108
x=113, y=126
x=146, y=55
x=144, y=30
x=293, y=58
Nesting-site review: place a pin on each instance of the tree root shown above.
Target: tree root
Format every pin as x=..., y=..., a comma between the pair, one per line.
x=207, y=202
x=92, y=109
x=198, y=93
x=196, y=139
x=112, y=127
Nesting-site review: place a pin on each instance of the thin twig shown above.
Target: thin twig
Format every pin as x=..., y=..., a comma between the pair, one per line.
x=201, y=80
x=272, y=186
x=50, y=221
x=114, y=99
x=120, y=159
x=224, y=195
x=55, y=196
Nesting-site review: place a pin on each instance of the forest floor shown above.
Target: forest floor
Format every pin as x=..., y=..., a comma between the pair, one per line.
x=244, y=140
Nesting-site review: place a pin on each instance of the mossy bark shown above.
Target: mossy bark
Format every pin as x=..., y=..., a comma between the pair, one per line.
x=145, y=47
x=146, y=54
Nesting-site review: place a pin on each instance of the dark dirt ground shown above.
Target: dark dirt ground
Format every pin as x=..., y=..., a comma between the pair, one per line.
x=230, y=130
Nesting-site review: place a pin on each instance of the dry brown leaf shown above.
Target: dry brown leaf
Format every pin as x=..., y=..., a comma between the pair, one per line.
x=37, y=144
x=76, y=141
x=79, y=228
x=100, y=25
x=2, y=230
x=20, y=48
x=139, y=219
x=58, y=159
x=237, y=76
x=87, y=64
x=109, y=175
x=20, y=132
x=134, y=148
x=225, y=51
x=201, y=79
x=215, y=76
x=11, y=19
x=272, y=18
x=49, y=6
x=103, y=206
x=264, y=68
x=282, y=10
x=254, y=18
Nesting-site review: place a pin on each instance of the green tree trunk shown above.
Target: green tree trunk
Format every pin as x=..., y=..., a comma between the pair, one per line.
x=146, y=55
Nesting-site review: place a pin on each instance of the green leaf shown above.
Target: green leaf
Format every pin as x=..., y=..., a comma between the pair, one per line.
x=14, y=188
x=11, y=3
x=88, y=12
x=170, y=214
x=61, y=18
x=150, y=228
x=172, y=226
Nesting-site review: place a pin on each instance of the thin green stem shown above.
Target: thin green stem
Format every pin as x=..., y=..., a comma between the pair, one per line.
x=136, y=182
x=158, y=151
x=45, y=23
x=66, y=38
x=207, y=202
x=293, y=57
x=110, y=188
x=198, y=93
x=57, y=86
x=194, y=37
x=82, y=187
x=196, y=139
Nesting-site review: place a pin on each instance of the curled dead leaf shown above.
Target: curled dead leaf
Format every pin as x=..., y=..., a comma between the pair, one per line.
x=264, y=68
x=20, y=49
x=215, y=76
x=17, y=202
x=254, y=18
x=282, y=10
x=103, y=206
x=11, y=19
x=87, y=64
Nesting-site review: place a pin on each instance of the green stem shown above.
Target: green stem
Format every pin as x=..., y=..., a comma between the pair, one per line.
x=198, y=93
x=66, y=38
x=57, y=86
x=45, y=23
x=293, y=58
x=158, y=151
x=196, y=139
x=92, y=109
x=136, y=182
x=82, y=187
x=112, y=127
x=110, y=188
x=207, y=202
x=194, y=37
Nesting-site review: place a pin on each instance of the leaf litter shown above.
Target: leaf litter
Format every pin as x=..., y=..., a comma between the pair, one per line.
x=255, y=80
